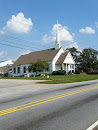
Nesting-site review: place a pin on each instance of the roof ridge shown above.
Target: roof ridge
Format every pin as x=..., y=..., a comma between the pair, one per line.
x=40, y=51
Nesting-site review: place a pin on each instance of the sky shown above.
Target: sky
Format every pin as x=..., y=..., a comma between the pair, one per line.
x=30, y=25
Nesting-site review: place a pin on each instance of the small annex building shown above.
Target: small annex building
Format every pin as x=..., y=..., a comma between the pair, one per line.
x=58, y=59
x=6, y=67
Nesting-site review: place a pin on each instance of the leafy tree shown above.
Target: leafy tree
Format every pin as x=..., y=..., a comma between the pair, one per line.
x=96, y=65
x=75, y=53
x=38, y=66
x=85, y=60
x=88, y=60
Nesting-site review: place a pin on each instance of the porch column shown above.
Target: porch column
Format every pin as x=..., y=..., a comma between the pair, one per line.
x=66, y=69
x=62, y=66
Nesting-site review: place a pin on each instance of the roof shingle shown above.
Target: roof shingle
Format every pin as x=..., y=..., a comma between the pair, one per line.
x=61, y=58
x=45, y=55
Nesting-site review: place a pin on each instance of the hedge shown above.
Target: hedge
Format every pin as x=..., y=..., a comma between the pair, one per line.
x=92, y=73
x=77, y=71
x=59, y=72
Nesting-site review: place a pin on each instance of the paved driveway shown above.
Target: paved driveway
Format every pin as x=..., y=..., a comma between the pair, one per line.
x=11, y=88
x=16, y=82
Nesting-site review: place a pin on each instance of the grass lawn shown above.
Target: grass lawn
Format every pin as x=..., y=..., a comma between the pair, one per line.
x=56, y=79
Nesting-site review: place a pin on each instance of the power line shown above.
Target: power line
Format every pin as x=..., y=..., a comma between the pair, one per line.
x=17, y=43
x=13, y=46
x=20, y=40
x=23, y=41
x=26, y=49
x=37, y=43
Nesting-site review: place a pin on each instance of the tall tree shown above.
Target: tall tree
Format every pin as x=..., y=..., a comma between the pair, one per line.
x=88, y=59
x=38, y=66
x=75, y=53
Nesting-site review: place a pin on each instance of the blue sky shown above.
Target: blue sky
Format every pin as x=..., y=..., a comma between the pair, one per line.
x=33, y=25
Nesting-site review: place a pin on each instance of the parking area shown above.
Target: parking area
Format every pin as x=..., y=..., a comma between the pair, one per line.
x=5, y=83
x=13, y=88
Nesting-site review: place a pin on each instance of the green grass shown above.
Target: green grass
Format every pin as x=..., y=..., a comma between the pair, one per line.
x=56, y=79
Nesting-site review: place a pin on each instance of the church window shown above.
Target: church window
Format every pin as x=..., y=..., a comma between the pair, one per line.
x=14, y=70
x=24, y=69
x=18, y=69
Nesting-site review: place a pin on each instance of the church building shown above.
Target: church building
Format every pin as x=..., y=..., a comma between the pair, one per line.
x=58, y=59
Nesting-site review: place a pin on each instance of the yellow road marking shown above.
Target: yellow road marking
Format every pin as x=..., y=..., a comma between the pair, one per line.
x=31, y=104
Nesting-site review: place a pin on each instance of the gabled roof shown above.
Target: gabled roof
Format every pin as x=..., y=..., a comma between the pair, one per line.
x=45, y=55
x=61, y=58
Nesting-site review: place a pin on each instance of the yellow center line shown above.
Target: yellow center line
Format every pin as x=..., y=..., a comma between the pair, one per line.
x=31, y=104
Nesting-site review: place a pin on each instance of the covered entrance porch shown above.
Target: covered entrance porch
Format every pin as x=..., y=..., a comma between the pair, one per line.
x=68, y=67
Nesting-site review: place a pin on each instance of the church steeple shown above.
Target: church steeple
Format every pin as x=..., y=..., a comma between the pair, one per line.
x=57, y=34
x=57, y=44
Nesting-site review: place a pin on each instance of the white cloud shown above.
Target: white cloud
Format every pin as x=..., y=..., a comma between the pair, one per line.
x=87, y=30
x=74, y=45
x=47, y=39
x=18, y=24
x=2, y=54
x=65, y=35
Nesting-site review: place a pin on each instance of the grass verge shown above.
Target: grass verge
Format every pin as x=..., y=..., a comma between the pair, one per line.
x=57, y=79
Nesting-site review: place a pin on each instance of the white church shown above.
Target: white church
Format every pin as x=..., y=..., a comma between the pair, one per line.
x=58, y=59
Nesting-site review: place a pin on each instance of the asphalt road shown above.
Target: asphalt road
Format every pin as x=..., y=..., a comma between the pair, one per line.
x=48, y=107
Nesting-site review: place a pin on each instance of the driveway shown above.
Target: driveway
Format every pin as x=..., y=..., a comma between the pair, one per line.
x=16, y=82
x=11, y=88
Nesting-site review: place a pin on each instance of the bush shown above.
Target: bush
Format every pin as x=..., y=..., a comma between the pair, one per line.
x=45, y=74
x=92, y=73
x=31, y=75
x=49, y=74
x=77, y=71
x=1, y=75
x=59, y=72
x=54, y=73
x=87, y=70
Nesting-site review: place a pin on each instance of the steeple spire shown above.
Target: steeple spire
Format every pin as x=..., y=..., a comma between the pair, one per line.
x=57, y=44
x=57, y=34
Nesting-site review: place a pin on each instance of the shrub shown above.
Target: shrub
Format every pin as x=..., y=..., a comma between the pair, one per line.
x=1, y=75
x=92, y=73
x=59, y=72
x=45, y=74
x=49, y=74
x=54, y=73
x=31, y=75
x=77, y=71
x=87, y=70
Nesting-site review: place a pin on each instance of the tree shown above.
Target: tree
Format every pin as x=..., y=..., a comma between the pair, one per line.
x=75, y=53
x=38, y=66
x=88, y=60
